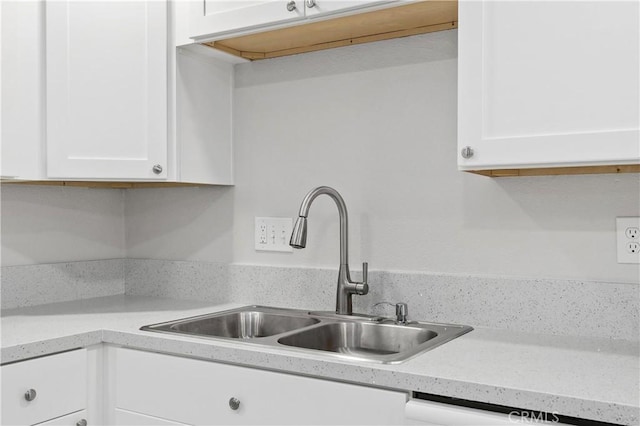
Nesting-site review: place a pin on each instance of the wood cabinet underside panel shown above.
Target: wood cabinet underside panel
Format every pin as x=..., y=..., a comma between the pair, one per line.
x=402, y=21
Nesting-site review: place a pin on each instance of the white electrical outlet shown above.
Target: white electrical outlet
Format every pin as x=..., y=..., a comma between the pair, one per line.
x=632, y=233
x=273, y=233
x=628, y=239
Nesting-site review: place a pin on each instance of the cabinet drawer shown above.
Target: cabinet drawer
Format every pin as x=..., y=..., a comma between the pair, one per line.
x=199, y=392
x=129, y=418
x=73, y=419
x=59, y=382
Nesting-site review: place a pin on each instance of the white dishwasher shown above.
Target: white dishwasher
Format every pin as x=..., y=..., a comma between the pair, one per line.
x=431, y=413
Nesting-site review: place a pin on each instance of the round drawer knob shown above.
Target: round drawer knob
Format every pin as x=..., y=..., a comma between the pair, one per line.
x=157, y=169
x=81, y=422
x=291, y=6
x=30, y=395
x=466, y=152
x=234, y=403
x=311, y=3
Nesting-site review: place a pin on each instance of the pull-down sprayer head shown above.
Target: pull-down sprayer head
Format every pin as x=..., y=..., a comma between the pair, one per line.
x=299, y=235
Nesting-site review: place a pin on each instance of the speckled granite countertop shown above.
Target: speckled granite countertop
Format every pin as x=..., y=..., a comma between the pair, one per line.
x=588, y=378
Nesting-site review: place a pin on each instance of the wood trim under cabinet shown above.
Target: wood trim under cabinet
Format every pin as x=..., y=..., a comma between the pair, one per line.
x=401, y=21
x=553, y=171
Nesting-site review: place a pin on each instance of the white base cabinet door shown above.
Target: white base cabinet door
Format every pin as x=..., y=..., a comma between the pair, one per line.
x=129, y=418
x=106, y=87
x=548, y=83
x=200, y=392
x=41, y=389
x=74, y=419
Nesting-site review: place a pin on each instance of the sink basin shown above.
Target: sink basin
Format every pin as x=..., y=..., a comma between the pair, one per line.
x=360, y=339
x=357, y=338
x=237, y=325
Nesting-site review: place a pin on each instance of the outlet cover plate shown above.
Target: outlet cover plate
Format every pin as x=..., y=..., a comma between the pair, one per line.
x=273, y=233
x=628, y=239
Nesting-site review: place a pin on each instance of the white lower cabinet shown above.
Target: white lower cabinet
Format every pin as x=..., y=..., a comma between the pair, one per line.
x=42, y=390
x=199, y=392
x=106, y=385
x=74, y=419
x=124, y=417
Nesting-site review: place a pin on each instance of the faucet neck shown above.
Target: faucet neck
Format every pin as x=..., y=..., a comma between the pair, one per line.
x=346, y=287
x=342, y=211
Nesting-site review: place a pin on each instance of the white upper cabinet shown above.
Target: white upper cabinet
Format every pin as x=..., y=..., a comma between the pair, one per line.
x=97, y=91
x=214, y=19
x=23, y=110
x=318, y=8
x=106, y=87
x=202, y=117
x=546, y=84
x=217, y=17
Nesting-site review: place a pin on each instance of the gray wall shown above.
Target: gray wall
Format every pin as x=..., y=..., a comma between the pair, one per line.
x=42, y=224
x=377, y=122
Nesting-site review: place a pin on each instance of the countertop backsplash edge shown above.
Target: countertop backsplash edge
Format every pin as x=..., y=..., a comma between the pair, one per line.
x=544, y=306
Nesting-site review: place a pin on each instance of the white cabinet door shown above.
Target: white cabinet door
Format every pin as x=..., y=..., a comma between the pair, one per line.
x=214, y=18
x=129, y=418
x=106, y=89
x=548, y=83
x=199, y=392
x=57, y=385
x=23, y=114
x=320, y=8
x=73, y=419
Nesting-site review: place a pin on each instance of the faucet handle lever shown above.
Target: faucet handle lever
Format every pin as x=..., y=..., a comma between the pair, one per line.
x=363, y=287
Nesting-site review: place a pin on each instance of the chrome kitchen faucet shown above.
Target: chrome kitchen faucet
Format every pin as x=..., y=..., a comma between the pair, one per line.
x=346, y=287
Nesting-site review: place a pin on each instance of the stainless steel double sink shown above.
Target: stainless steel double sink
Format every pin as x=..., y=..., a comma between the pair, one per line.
x=353, y=337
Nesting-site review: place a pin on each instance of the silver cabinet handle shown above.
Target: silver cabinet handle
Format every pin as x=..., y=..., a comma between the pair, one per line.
x=30, y=395
x=81, y=422
x=291, y=6
x=234, y=403
x=466, y=152
x=311, y=3
x=157, y=169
